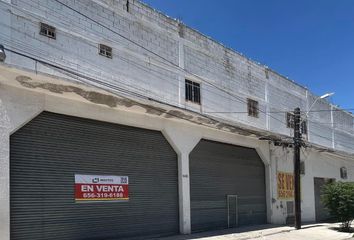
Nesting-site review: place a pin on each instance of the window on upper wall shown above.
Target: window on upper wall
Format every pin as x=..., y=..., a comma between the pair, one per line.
x=290, y=120
x=343, y=173
x=252, y=107
x=304, y=127
x=192, y=91
x=47, y=30
x=105, y=50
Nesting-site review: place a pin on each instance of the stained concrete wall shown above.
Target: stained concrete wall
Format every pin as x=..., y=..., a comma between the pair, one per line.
x=19, y=105
x=227, y=79
x=152, y=55
x=317, y=164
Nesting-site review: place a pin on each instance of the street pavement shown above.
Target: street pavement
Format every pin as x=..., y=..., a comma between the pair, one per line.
x=271, y=232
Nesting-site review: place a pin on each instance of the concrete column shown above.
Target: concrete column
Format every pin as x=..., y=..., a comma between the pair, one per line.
x=264, y=152
x=16, y=109
x=183, y=142
x=181, y=78
x=4, y=184
x=184, y=193
x=4, y=173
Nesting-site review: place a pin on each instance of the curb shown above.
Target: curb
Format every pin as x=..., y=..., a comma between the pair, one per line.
x=264, y=235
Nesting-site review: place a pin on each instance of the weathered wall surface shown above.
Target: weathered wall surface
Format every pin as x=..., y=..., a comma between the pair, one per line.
x=152, y=55
x=19, y=105
x=317, y=165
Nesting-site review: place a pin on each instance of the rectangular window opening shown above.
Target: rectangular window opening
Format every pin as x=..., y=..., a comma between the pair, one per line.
x=343, y=173
x=304, y=127
x=290, y=120
x=192, y=91
x=253, y=109
x=47, y=30
x=105, y=50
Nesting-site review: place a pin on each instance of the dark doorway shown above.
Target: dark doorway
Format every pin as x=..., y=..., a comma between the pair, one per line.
x=322, y=213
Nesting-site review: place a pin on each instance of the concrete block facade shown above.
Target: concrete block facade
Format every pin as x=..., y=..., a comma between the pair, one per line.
x=143, y=85
x=152, y=51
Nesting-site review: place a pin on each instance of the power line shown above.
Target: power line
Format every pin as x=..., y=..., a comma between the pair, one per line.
x=130, y=62
x=159, y=56
x=119, y=34
x=126, y=92
x=166, y=60
x=178, y=67
x=290, y=111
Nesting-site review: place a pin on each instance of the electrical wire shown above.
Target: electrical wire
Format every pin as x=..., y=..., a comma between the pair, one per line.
x=173, y=64
x=130, y=93
x=290, y=111
x=166, y=60
x=125, y=92
x=217, y=87
x=157, y=55
x=177, y=66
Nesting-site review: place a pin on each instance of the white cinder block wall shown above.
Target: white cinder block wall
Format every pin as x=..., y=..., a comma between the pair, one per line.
x=152, y=56
x=152, y=52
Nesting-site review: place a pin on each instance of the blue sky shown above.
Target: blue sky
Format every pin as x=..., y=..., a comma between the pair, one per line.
x=309, y=41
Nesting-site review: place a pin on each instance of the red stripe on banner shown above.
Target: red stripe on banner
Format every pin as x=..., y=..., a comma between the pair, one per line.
x=100, y=191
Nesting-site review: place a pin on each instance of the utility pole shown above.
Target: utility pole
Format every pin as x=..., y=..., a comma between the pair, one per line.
x=297, y=146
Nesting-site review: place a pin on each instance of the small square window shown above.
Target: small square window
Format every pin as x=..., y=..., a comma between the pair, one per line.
x=105, y=51
x=253, y=109
x=290, y=120
x=192, y=91
x=47, y=30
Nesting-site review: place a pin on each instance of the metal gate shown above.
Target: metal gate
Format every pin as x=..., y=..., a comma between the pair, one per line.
x=218, y=170
x=47, y=153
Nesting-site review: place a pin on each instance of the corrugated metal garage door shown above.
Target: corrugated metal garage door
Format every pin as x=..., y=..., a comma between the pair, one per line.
x=218, y=170
x=48, y=151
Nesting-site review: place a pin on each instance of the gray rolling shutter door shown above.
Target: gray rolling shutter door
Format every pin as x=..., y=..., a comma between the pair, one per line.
x=48, y=151
x=218, y=170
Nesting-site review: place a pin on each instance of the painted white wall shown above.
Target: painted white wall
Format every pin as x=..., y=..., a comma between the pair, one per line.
x=317, y=164
x=15, y=110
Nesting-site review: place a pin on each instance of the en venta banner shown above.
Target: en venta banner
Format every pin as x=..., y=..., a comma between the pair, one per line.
x=101, y=188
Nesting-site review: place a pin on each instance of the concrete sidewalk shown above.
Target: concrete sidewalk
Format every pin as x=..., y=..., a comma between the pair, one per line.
x=271, y=232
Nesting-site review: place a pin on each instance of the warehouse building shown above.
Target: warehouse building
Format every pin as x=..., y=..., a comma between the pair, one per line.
x=117, y=121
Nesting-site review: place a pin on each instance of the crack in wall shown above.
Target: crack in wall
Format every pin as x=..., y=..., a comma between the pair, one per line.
x=91, y=96
x=113, y=101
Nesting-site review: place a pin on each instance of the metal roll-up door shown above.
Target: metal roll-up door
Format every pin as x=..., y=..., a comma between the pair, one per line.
x=227, y=186
x=48, y=151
